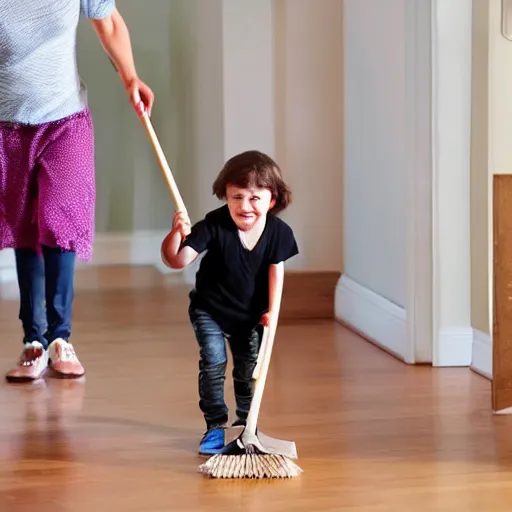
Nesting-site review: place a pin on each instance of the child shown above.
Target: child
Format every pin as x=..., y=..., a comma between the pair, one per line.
x=246, y=246
x=47, y=182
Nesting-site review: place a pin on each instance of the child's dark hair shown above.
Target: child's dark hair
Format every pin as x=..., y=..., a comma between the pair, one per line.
x=254, y=169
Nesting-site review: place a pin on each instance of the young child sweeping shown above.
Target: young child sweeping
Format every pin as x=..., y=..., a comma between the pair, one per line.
x=247, y=245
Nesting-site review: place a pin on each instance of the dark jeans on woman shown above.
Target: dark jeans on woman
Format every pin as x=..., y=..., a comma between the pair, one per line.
x=46, y=293
x=212, y=367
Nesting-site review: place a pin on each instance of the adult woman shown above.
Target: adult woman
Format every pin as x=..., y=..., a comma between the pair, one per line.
x=47, y=183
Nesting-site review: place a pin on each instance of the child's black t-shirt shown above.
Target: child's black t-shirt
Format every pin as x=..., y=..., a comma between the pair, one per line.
x=232, y=281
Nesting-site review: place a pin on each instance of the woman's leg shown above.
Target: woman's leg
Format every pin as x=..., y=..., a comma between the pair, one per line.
x=34, y=358
x=59, y=269
x=66, y=184
x=30, y=272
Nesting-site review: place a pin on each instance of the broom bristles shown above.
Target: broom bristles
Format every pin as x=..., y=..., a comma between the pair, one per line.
x=250, y=465
x=251, y=459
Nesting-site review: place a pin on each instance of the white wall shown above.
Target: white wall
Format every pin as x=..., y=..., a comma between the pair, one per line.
x=376, y=146
x=451, y=112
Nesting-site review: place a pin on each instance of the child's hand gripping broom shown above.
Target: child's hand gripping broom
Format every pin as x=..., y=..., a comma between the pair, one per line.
x=253, y=454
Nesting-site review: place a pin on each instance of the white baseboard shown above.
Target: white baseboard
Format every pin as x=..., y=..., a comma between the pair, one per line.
x=7, y=266
x=8, y=275
x=455, y=346
x=372, y=315
x=482, y=354
x=138, y=248
x=385, y=323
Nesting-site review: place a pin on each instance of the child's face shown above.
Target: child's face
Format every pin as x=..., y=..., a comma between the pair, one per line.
x=248, y=205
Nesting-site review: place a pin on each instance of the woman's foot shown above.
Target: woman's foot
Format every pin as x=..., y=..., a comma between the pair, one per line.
x=63, y=359
x=32, y=364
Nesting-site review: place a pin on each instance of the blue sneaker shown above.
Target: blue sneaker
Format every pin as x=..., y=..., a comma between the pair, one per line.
x=212, y=442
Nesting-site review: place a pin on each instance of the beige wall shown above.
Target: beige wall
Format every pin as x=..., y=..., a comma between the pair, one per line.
x=309, y=124
x=480, y=248
x=500, y=111
x=491, y=153
x=491, y=149
x=500, y=97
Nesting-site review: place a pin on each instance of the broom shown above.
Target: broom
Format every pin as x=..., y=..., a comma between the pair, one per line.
x=254, y=454
x=162, y=161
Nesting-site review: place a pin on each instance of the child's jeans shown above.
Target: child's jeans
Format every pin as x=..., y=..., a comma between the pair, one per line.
x=212, y=367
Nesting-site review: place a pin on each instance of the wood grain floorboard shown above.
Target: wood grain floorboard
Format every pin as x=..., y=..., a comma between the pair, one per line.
x=373, y=434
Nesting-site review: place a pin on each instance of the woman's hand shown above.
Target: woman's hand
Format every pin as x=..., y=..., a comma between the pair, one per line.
x=139, y=91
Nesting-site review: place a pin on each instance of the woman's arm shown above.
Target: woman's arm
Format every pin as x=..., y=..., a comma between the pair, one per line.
x=115, y=39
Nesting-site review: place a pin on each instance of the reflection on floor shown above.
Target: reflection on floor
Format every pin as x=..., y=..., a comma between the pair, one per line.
x=372, y=433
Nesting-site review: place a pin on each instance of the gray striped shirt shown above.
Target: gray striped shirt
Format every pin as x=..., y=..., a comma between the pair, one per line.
x=39, y=80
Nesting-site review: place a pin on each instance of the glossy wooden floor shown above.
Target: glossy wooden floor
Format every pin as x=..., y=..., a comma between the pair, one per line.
x=373, y=434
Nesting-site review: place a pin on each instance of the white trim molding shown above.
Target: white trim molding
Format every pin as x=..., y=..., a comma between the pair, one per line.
x=136, y=248
x=375, y=317
x=7, y=266
x=481, y=361
x=455, y=346
x=451, y=147
x=418, y=303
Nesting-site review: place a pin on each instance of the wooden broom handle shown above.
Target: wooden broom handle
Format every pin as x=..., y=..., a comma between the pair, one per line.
x=263, y=345
x=262, y=365
x=164, y=166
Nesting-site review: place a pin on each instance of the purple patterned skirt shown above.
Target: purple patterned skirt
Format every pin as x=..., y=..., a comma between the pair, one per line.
x=47, y=185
